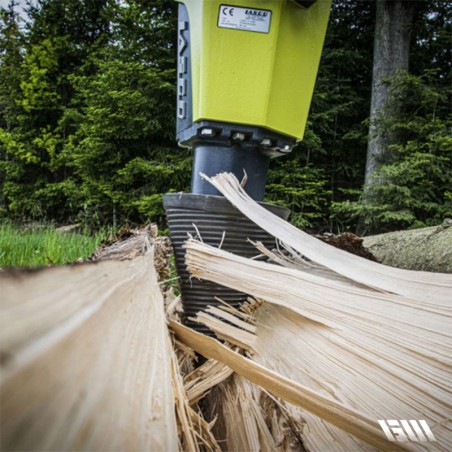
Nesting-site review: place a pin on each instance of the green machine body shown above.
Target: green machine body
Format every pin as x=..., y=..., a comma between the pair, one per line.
x=249, y=62
x=245, y=76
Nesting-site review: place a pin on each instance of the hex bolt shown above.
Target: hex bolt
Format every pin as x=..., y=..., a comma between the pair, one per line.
x=207, y=132
x=238, y=136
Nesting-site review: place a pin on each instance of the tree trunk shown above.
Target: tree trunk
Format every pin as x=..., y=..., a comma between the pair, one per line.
x=391, y=53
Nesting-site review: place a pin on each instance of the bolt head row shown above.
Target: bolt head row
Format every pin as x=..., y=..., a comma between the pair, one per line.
x=239, y=136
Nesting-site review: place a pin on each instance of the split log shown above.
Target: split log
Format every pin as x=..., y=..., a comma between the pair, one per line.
x=85, y=359
x=417, y=285
x=426, y=249
x=386, y=355
x=333, y=411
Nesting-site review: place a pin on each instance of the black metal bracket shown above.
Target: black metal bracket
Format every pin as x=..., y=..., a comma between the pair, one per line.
x=270, y=143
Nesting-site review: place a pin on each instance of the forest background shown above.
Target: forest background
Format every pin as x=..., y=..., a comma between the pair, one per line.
x=87, y=120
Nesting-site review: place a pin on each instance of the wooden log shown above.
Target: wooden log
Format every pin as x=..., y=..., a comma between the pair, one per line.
x=327, y=408
x=386, y=355
x=85, y=359
x=426, y=249
x=418, y=285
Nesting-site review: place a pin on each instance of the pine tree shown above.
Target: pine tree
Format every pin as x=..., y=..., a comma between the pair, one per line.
x=124, y=150
x=57, y=39
x=11, y=58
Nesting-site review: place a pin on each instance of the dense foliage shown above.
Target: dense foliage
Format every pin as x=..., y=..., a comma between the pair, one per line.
x=88, y=133
x=87, y=119
x=414, y=189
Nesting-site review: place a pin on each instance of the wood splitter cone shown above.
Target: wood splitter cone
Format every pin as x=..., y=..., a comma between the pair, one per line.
x=217, y=222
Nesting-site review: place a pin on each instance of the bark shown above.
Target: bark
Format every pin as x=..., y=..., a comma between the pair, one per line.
x=426, y=249
x=391, y=53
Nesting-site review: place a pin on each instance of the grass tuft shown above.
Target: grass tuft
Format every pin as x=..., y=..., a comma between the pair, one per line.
x=45, y=246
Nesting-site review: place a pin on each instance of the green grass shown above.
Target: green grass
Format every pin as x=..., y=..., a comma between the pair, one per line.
x=44, y=246
x=173, y=279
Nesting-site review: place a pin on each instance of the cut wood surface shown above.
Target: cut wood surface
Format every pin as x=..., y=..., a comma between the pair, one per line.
x=384, y=354
x=418, y=285
x=85, y=359
x=334, y=345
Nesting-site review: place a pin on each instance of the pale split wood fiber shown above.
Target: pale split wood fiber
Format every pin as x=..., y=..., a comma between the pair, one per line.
x=297, y=262
x=418, y=285
x=185, y=423
x=242, y=337
x=315, y=434
x=193, y=428
x=245, y=418
x=383, y=354
x=241, y=417
x=86, y=361
x=423, y=328
x=323, y=365
x=195, y=433
x=201, y=380
x=333, y=411
x=250, y=419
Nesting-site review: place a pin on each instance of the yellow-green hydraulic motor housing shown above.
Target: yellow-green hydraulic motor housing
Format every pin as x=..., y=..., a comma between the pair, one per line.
x=251, y=63
x=246, y=73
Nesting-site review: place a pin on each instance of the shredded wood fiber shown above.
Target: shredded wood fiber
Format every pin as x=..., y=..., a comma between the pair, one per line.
x=327, y=408
x=192, y=427
x=249, y=420
x=86, y=359
x=386, y=355
x=88, y=364
x=418, y=285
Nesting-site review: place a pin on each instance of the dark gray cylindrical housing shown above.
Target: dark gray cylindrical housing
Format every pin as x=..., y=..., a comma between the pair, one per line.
x=218, y=222
x=212, y=159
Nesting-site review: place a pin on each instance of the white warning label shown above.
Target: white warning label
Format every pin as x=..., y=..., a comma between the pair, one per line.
x=248, y=19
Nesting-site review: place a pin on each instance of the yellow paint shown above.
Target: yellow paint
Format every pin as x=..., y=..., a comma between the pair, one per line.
x=255, y=78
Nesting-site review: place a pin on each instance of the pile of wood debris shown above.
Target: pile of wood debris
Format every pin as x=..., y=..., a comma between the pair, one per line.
x=94, y=356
